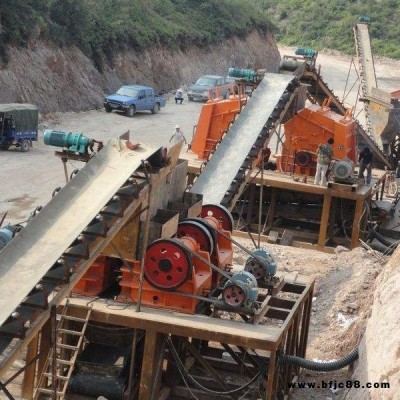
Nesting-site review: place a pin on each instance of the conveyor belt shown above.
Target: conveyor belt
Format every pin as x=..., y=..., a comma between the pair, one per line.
x=364, y=53
x=31, y=254
x=221, y=169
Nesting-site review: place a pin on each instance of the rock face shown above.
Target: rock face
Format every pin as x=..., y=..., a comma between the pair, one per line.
x=65, y=79
x=379, y=360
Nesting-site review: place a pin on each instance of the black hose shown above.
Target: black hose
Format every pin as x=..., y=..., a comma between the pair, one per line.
x=320, y=366
x=380, y=237
x=378, y=246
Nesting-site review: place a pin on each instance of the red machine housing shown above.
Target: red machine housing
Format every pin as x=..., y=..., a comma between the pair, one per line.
x=98, y=277
x=173, y=274
x=169, y=268
x=311, y=127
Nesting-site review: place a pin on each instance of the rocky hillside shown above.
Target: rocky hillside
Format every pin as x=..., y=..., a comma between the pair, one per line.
x=58, y=79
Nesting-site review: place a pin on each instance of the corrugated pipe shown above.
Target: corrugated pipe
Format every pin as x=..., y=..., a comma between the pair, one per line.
x=320, y=366
x=380, y=237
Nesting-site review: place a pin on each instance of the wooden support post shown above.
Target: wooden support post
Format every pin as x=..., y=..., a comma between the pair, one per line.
x=271, y=378
x=29, y=374
x=326, y=209
x=28, y=382
x=355, y=233
x=45, y=345
x=252, y=192
x=382, y=188
x=332, y=218
x=271, y=210
x=151, y=358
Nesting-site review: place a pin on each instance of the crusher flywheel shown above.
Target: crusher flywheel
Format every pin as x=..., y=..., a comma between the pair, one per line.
x=168, y=264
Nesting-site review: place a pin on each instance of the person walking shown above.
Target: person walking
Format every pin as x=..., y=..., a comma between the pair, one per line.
x=365, y=163
x=179, y=96
x=324, y=157
x=177, y=136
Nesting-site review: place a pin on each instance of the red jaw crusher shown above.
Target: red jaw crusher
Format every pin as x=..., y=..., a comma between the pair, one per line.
x=175, y=277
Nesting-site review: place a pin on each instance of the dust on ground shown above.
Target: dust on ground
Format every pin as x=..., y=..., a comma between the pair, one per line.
x=343, y=295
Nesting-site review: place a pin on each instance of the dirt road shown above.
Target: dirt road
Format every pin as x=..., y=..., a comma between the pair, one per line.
x=28, y=179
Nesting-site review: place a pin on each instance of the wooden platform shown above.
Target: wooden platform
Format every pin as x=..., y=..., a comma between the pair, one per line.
x=277, y=181
x=291, y=307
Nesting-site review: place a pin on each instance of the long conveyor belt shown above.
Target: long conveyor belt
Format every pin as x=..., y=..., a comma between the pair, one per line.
x=42, y=242
x=228, y=159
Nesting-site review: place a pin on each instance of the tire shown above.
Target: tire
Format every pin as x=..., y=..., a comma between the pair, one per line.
x=392, y=189
x=130, y=112
x=25, y=144
x=108, y=109
x=156, y=108
x=190, y=98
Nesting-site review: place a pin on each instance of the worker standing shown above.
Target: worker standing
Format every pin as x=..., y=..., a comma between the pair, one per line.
x=324, y=153
x=365, y=160
x=177, y=136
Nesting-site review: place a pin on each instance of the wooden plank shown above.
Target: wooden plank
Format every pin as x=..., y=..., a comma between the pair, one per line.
x=271, y=209
x=355, y=233
x=151, y=360
x=195, y=326
x=326, y=210
x=28, y=382
x=125, y=241
x=287, y=238
x=332, y=218
x=273, y=236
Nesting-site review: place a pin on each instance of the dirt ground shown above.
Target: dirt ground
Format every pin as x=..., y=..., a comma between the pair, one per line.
x=344, y=280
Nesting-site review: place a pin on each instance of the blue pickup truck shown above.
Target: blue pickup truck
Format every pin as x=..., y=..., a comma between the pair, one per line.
x=133, y=98
x=18, y=125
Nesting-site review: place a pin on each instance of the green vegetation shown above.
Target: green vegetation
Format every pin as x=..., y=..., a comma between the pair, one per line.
x=328, y=24
x=101, y=28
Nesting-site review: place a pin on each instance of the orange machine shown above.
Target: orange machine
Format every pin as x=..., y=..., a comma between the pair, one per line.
x=215, y=118
x=98, y=277
x=174, y=276
x=310, y=127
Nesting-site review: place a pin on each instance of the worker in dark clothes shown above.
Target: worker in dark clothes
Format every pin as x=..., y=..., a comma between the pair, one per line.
x=365, y=160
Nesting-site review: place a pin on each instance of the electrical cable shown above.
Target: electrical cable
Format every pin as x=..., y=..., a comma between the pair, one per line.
x=183, y=370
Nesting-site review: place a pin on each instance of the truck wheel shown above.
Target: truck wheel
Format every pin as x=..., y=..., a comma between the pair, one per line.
x=25, y=144
x=130, y=112
x=108, y=109
x=156, y=108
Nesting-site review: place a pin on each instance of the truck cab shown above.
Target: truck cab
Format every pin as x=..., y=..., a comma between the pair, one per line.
x=18, y=126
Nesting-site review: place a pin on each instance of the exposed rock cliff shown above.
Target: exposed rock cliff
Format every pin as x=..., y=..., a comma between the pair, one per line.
x=380, y=347
x=65, y=80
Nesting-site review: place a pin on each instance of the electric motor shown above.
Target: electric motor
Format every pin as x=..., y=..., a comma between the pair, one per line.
x=262, y=265
x=74, y=142
x=343, y=170
x=6, y=234
x=306, y=52
x=246, y=74
x=241, y=291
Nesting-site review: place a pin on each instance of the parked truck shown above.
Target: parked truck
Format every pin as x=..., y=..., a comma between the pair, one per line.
x=133, y=98
x=18, y=125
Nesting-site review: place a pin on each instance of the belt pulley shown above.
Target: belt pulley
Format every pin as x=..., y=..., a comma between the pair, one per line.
x=168, y=264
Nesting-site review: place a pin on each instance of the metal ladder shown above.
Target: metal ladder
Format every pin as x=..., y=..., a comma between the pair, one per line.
x=59, y=366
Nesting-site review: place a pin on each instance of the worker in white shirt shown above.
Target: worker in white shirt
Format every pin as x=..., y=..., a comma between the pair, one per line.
x=177, y=136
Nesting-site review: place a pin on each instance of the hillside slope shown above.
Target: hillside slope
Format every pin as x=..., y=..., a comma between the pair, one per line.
x=64, y=79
